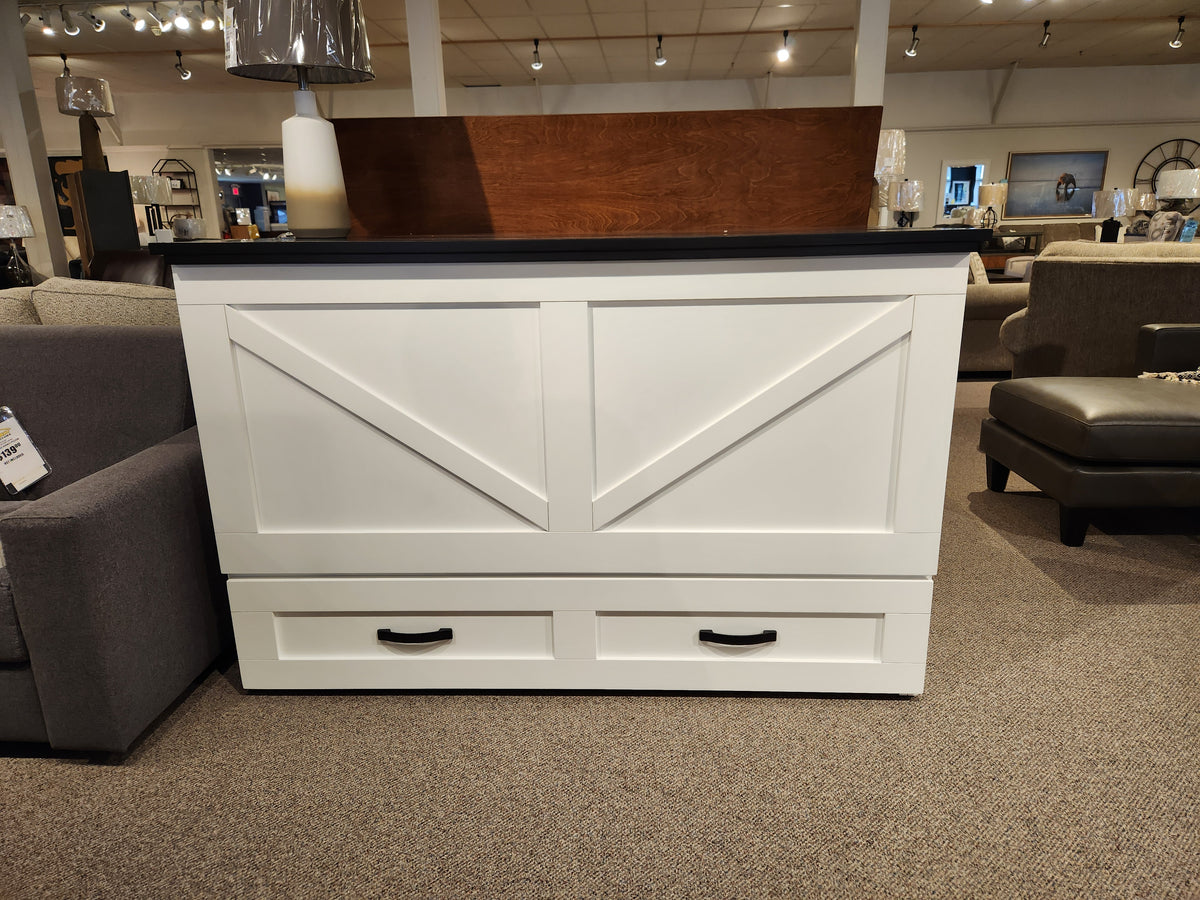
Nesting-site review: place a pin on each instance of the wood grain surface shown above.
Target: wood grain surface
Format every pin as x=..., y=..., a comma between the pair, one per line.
x=711, y=172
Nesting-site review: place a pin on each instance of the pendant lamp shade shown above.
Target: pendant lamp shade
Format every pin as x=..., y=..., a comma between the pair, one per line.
x=78, y=94
x=267, y=40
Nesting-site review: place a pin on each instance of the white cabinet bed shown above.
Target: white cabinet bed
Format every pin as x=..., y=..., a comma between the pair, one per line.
x=630, y=463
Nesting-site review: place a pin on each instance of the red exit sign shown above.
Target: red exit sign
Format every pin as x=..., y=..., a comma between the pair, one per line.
x=236, y=190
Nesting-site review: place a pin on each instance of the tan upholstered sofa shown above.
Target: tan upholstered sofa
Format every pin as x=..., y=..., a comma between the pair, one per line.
x=73, y=301
x=988, y=305
x=1087, y=301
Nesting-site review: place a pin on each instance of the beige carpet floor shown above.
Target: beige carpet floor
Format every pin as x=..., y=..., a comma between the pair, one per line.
x=1055, y=753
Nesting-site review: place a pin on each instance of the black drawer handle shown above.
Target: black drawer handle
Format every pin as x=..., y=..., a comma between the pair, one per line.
x=766, y=636
x=420, y=637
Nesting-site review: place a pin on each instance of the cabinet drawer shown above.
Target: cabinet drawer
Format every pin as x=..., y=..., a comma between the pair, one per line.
x=414, y=635
x=734, y=636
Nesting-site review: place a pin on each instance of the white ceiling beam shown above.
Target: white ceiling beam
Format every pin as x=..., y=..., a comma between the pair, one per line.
x=870, y=52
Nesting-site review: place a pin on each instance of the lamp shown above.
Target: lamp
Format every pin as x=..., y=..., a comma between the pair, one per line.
x=47, y=23
x=69, y=26
x=536, y=65
x=159, y=22
x=659, y=59
x=98, y=24
x=207, y=22
x=1178, y=187
x=1045, y=33
x=912, y=48
x=317, y=41
x=906, y=197
x=1109, y=205
x=151, y=191
x=184, y=74
x=1176, y=42
x=87, y=98
x=138, y=24
x=783, y=54
x=990, y=196
x=15, y=225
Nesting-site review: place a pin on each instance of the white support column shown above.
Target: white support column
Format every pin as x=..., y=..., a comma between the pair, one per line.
x=25, y=146
x=425, y=57
x=870, y=52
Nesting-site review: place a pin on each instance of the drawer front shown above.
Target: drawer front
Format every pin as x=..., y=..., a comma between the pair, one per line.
x=413, y=636
x=740, y=636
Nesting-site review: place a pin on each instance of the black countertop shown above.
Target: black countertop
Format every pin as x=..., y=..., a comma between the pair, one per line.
x=575, y=249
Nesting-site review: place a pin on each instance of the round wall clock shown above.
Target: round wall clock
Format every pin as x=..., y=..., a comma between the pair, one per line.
x=1180, y=153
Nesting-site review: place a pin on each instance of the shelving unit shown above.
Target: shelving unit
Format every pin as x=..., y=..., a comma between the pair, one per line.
x=185, y=198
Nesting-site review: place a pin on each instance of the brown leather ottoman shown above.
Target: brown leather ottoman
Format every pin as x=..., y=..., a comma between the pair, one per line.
x=1096, y=443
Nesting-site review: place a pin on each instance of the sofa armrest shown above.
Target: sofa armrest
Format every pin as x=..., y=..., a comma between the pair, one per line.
x=1013, y=332
x=118, y=594
x=1168, y=348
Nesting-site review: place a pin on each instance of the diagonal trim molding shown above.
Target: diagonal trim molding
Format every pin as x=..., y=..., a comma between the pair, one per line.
x=789, y=391
x=379, y=413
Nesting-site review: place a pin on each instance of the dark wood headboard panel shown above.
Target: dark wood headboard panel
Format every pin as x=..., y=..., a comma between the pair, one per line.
x=781, y=170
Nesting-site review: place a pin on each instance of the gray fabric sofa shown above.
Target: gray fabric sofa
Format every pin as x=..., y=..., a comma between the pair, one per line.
x=71, y=301
x=111, y=598
x=1087, y=301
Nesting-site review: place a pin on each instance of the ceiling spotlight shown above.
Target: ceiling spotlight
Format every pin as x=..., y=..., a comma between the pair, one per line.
x=988, y=2
x=97, y=23
x=138, y=24
x=184, y=74
x=1177, y=41
x=783, y=54
x=659, y=59
x=47, y=25
x=162, y=24
x=912, y=48
x=253, y=169
x=227, y=171
x=536, y=65
x=69, y=26
x=207, y=22
x=25, y=17
x=182, y=21
x=1045, y=33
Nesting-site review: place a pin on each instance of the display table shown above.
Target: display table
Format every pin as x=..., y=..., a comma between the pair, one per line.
x=683, y=463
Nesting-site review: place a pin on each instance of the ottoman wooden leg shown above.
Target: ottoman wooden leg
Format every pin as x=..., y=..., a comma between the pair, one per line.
x=1072, y=525
x=997, y=475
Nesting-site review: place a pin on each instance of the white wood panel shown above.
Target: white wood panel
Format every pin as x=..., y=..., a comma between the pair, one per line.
x=469, y=374
x=762, y=553
x=574, y=634
x=581, y=594
x=254, y=634
x=928, y=412
x=814, y=468
x=579, y=674
x=905, y=638
x=567, y=395
x=318, y=466
x=665, y=371
x=798, y=637
x=220, y=418
x=384, y=416
x=601, y=282
x=772, y=402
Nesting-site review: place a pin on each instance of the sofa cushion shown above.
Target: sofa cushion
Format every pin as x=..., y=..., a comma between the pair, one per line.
x=977, y=272
x=12, y=645
x=71, y=301
x=90, y=395
x=16, y=307
x=1104, y=419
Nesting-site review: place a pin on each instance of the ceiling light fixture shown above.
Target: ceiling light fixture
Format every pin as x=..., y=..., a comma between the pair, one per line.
x=184, y=74
x=69, y=26
x=163, y=24
x=182, y=21
x=912, y=48
x=97, y=23
x=47, y=25
x=138, y=24
x=783, y=54
x=986, y=2
x=659, y=59
x=536, y=65
x=207, y=22
x=1045, y=33
x=1176, y=42
x=25, y=17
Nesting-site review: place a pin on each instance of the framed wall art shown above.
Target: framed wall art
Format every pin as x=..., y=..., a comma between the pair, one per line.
x=1054, y=184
